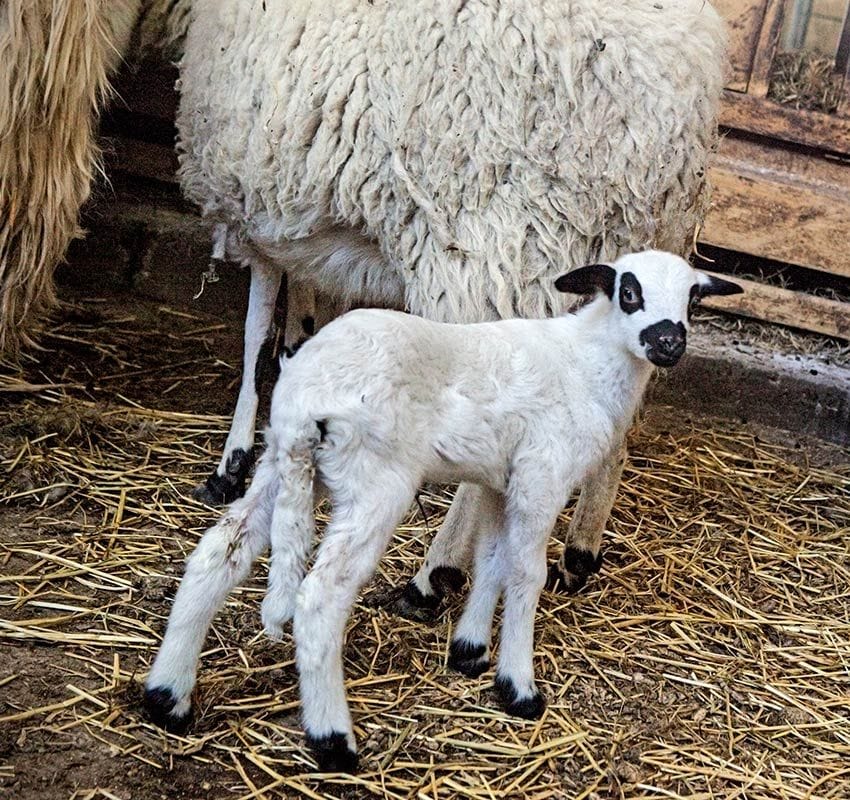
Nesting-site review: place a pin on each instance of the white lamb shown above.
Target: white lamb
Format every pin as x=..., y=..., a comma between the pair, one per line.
x=379, y=402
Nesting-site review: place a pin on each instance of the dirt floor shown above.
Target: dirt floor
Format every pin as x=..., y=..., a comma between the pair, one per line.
x=709, y=659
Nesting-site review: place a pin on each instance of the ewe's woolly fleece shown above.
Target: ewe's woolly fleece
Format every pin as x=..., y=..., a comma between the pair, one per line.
x=485, y=145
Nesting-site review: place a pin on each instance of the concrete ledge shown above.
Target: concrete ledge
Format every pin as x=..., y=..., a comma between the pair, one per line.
x=747, y=383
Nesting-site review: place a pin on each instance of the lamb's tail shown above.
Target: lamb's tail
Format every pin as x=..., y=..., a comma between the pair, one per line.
x=293, y=520
x=54, y=60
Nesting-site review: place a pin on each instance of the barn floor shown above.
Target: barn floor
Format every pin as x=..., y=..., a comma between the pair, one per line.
x=709, y=659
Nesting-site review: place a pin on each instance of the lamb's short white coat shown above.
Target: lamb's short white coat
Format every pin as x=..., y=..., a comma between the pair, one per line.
x=375, y=404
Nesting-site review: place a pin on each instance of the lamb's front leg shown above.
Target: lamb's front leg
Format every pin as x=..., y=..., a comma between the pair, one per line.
x=351, y=547
x=582, y=554
x=531, y=511
x=469, y=652
x=221, y=560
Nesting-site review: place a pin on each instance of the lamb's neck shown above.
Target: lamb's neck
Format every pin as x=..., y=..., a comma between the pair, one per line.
x=614, y=376
x=622, y=384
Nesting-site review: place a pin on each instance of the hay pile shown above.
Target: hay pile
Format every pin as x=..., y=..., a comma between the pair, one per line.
x=806, y=80
x=710, y=659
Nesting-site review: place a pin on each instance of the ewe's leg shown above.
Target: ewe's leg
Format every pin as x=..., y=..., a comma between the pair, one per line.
x=221, y=560
x=469, y=650
x=447, y=557
x=228, y=481
x=582, y=555
x=530, y=517
x=354, y=541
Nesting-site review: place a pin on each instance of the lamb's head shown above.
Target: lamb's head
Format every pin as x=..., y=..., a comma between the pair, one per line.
x=652, y=295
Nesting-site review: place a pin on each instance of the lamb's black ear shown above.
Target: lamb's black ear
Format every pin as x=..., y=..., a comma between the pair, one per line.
x=711, y=284
x=588, y=280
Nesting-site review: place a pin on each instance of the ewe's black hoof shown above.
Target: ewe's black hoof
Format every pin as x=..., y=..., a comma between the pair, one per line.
x=159, y=703
x=468, y=658
x=412, y=604
x=526, y=707
x=332, y=753
x=224, y=489
x=579, y=565
x=446, y=579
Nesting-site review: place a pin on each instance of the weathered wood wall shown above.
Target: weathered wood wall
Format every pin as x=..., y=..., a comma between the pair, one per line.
x=782, y=175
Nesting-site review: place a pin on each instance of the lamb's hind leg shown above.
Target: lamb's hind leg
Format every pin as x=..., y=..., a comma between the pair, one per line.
x=582, y=554
x=354, y=541
x=221, y=560
x=447, y=558
x=227, y=482
x=292, y=524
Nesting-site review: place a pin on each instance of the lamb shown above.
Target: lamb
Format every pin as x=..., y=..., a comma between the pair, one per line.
x=379, y=402
x=446, y=158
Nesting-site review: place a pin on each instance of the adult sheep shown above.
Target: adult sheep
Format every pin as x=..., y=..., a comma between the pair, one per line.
x=446, y=157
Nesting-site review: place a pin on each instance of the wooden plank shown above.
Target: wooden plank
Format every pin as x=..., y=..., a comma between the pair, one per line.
x=768, y=40
x=743, y=20
x=842, y=64
x=773, y=202
x=759, y=115
x=782, y=306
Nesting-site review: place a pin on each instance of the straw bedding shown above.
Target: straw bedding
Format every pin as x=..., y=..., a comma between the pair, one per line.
x=806, y=80
x=710, y=659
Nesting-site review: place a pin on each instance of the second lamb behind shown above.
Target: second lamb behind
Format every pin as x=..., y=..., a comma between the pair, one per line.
x=379, y=402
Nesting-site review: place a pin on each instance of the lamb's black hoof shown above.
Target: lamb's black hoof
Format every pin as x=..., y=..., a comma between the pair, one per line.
x=224, y=489
x=159, y=703
x=446, y=579
x=579, y=565
x=468, y=658
x=525, y=707
x=332, y=753
x=412, y=604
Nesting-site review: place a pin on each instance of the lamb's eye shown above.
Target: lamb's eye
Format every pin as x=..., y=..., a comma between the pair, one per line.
x=631, y=296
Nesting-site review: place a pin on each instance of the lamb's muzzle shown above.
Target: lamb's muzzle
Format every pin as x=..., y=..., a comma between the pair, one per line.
x=665, y=342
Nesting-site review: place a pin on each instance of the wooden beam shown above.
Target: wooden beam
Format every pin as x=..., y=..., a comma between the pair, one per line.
x=744, y=20
x=782, y=306
x=842, y=66
x=774, y=202
x=762, y=116
x=766, y=48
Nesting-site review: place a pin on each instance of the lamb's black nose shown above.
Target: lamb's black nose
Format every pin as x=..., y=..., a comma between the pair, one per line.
x=672, y=345
x=665, y=342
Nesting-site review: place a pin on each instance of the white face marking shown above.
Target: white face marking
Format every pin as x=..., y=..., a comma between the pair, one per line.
x=664, y=283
